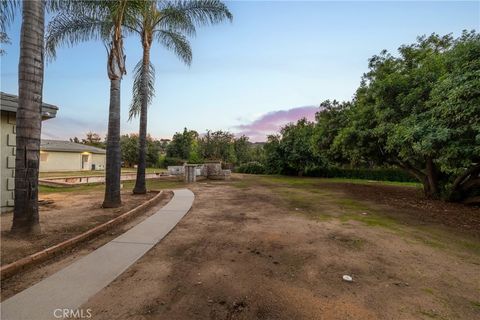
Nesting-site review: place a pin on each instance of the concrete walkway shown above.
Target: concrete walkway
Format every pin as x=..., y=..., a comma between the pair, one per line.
x=72, y=286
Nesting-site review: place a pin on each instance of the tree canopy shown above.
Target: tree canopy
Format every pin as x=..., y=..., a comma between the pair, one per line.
x=418, y=111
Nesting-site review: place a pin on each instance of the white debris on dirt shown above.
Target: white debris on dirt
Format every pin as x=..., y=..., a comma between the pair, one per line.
x=347, y=278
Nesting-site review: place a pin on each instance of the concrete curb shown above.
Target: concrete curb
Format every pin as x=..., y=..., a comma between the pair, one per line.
x=15, y=267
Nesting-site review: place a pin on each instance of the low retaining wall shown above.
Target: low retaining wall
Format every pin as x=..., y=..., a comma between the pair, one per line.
x=13, y=268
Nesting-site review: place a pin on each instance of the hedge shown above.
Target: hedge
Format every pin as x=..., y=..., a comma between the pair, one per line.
x=169, y=161
x=253, y=167
x=380, y=174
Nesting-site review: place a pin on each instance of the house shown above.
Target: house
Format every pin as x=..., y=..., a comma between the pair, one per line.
x=8, y=111
x=59, y=155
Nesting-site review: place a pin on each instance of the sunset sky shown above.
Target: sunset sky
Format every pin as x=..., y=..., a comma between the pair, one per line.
x=273, y=64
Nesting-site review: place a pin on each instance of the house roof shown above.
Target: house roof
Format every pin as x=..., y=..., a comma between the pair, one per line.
x=68, y=146
x=9, y=102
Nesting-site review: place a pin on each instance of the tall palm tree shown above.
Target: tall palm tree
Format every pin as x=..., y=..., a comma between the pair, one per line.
x=29, y=118
x=99, y=20
x=168, y=22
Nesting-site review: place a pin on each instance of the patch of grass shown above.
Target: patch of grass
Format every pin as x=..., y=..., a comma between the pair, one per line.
x=304, y=202
x=241, y=184
x=430, y=314
x=309, y=181
x=361, y=181
x=352, y=205
x=475, y=304
x=158, y=184
x=349, y=242
x=303, y=196
x=428, y=290
x=373, y=220
x=429, y=242
x=441, y=239
x=154, y=184
x=313, y=199
x=73, y=189
x=469, y=245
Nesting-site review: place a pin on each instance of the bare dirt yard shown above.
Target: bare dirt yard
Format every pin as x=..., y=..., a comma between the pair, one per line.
x=260, y=247
x=63, y=216
x=277, y=248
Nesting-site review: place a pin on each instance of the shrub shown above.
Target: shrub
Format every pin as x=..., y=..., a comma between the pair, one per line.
x=253, y=167
x=170, y=161
x=380, y=174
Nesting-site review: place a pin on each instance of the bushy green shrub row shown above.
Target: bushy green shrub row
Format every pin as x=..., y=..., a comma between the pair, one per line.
x=253, y=167
x=380, y=174
x=170, y=161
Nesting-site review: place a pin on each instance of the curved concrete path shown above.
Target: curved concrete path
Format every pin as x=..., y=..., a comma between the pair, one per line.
x=72, y=286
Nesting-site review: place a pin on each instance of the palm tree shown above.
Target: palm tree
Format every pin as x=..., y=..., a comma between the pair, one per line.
x=99, y=20
x=28, y=118
x=168, y=23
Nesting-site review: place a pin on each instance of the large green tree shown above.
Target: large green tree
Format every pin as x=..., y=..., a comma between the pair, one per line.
x=331, y=118
x=292, y=152
x=183, y=145
x=167, y=22
x=243, y=149
x=420, y=111
x=85, y=20
x=217, y=145
x=129, y=144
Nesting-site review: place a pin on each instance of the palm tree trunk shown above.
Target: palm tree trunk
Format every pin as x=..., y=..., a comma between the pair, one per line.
x=29, y=118
x=113, y=161
x=140, y=187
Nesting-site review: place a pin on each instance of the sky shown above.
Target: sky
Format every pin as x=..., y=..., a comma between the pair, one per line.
x=272, y=65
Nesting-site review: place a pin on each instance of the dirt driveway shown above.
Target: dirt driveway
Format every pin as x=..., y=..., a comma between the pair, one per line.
x=252, y=251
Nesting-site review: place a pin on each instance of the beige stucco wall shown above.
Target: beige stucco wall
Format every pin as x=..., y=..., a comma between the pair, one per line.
x=56, y=161
x=7, y=159
x=99, y=161
x=69, y=161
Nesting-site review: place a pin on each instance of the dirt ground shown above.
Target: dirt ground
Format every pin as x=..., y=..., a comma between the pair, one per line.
x=63, y=216
x=29, y=277
x=267, y=248
x=241, y=253
x=418, y=209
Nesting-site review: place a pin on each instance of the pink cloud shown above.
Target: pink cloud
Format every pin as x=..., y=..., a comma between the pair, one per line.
x=271, y=122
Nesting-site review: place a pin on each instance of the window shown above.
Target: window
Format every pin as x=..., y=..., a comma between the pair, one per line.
x=43, y=156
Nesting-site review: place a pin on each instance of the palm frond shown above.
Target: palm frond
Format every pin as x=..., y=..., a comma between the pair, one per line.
x=174, y=19
x=143, y=88
x=91, y=8
x=177, y=42
x=200, y=12
x=7, y=13
x=72, y=28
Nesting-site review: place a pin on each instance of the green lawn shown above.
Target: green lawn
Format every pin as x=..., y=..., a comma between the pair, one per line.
x=152, y=184
x=92, y=173
x=306, y=181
